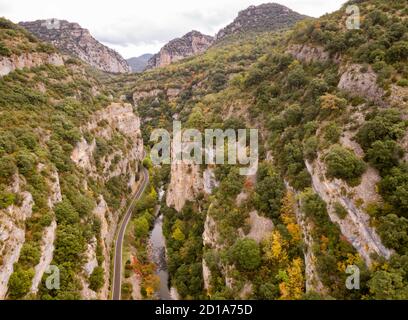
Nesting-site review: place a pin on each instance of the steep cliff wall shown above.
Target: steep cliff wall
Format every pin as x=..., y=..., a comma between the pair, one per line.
x=72, y=39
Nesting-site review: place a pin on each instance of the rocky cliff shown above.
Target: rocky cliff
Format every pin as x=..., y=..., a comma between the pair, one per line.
x=265, y=17
x=190, y=44
x=72, y=39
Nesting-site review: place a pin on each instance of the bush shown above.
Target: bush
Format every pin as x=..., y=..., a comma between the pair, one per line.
x=141, y=228
x=4, y=51
x=394, y=189
x=19, y=283
x=7, y=168
x=246, y=254
x=332, y=133
x=269, y=192
x=310, y=148
x=297, y=77
x=398, y=52
x=6, y=198
x=96, y=279
x=394, y=232
x=25, y=162
x=344, y=164
x=384, y=155
x=386, y=125
x=340, y=210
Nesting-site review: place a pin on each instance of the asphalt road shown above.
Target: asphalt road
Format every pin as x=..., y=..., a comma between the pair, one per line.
x=117, y=268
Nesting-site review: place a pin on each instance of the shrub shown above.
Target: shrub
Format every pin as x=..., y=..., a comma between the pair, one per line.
x=382, y=126
x=343, y=164
x=7, y=167
x=25, y=162
x=394, y=232
x=6, y=198
x=19, y=283
x=394, y=189
x=398, y=52
x=297, y=77
x=269, y=193
x=384, y=155
x=340, y=210
x=4, y=51
x=332, y=102
x=141, y=228
x=332, y=133
x=96, y=279
x=403, y=82
x=310, y=148
x=246, y=254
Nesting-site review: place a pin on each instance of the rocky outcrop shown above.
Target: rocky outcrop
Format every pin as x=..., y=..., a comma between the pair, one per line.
x=185, y=184
x=265, y=17
x=72, y=39
x=356, y=225
x=116, y=117
x=47, y=250
x=28, y=60
x=190, y=44
x=358, y=80
x=261, y=227
x=141, y=95
x=108, y=226
x=47, y=242
x=313, y=281
x=12, y=234
x=209, y=181
x=122, y=160
x=309, y=54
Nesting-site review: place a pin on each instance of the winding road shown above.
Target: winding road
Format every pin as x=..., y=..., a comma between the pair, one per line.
x=117, y=267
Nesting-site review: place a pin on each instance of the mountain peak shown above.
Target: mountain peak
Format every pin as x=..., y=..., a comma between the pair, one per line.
x=192, y=43
x=72, y=39
x=264, y=17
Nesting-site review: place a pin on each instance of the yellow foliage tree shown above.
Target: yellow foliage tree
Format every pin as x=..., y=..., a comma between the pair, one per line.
x=332, y=102
x=275, y=248
x=293, y=286
x=289, y=218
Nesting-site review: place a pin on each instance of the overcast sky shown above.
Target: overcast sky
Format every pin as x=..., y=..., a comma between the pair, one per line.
x=135, y=27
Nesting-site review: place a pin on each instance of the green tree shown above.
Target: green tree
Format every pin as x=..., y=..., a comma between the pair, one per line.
x=344, y=164
x=246, y=254
x=96, y=279
x=394, y=232
x=384, y=155
x=19, y=283
x=141, y=228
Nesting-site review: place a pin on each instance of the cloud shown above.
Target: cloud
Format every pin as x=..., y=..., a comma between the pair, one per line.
x=128, y=25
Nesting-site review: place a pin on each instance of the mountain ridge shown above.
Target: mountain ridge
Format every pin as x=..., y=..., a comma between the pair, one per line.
x=72, y=39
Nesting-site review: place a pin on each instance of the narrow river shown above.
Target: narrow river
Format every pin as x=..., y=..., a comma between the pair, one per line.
x=158, y=252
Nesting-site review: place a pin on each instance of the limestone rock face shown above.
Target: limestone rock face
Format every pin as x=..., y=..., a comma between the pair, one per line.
x=265, y=17
x=309, y=54
x=357, y=82
x=190, y=44
x=185, y=184
x=72, y=39
x=28, y=60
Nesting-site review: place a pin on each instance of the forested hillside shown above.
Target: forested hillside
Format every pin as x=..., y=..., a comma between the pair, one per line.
x=331, y=188
x=330, y=192
x=69, y=155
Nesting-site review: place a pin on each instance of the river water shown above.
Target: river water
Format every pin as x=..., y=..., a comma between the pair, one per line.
x=158, y=255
